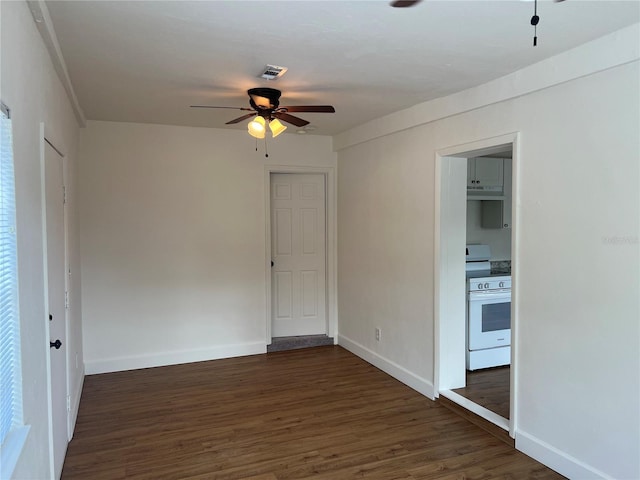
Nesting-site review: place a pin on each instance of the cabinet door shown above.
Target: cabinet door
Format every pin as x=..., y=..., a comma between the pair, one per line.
x=489, y=171
x=508, y=193
x=496, y=213
x=471, y=172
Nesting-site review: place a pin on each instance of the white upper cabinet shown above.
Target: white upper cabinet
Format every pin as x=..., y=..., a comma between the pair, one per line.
x=485, y=174
x=497, y=213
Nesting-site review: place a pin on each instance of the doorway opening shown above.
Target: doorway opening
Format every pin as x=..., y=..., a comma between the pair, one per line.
x=300, y=268
x=487, y=390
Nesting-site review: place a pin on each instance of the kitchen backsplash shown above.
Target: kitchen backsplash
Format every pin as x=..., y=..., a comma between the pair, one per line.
x=501, y=266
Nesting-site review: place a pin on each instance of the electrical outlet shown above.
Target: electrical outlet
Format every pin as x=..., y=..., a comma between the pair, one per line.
x=378, y=334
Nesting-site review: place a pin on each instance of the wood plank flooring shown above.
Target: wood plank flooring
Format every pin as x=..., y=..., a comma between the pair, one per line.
x=319, y=413
x=489, y=388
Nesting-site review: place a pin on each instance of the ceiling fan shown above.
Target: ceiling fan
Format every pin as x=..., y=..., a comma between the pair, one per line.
x=265, y=103
x=534, y=20
x=411, y=3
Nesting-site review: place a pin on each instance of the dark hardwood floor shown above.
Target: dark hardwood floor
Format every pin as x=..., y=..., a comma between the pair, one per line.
x=319, y=413
x=489, y=388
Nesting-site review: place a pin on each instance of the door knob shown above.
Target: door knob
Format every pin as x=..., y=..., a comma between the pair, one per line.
x=57, y=344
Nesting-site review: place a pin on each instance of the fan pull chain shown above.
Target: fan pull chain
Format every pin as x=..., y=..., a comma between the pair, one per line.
x=534, y=21
x=266, y=152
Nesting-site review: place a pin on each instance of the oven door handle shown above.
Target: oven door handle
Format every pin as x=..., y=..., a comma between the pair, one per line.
x=493, y=294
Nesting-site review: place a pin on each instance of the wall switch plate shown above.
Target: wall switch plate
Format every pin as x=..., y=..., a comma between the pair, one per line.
x=377, y=334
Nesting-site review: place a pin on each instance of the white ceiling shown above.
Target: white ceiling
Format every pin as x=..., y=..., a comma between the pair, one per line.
x=147, y=61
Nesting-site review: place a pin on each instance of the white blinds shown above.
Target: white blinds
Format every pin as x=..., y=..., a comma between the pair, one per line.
x=10, y=372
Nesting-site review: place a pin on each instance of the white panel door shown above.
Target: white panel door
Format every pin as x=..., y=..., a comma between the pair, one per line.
x=298, y=251
x=56, y=293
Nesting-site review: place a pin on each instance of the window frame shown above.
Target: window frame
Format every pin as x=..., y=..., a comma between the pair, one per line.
x=13, y=432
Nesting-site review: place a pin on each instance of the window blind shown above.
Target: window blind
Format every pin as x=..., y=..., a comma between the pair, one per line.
x=10, y=371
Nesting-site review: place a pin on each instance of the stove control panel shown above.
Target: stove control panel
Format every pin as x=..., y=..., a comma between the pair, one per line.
x=480, y=284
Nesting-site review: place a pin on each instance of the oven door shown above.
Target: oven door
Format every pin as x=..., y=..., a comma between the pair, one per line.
x=489, y=315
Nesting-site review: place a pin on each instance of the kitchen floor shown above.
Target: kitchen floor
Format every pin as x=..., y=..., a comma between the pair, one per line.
x=488, y=388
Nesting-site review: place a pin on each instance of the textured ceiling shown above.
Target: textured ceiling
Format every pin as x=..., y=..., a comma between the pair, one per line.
x=147, y=61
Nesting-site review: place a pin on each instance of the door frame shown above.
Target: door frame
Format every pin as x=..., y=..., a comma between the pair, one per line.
x=450, y=166
x=46, y=138
x=331, y=279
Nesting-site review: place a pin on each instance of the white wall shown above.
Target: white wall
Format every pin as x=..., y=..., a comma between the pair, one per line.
x=173, y=240
x=499, y=239
x=34, y=94
x=578, y=209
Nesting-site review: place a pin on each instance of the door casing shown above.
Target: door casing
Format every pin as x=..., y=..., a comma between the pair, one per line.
x=450, y=175
x=44, y=141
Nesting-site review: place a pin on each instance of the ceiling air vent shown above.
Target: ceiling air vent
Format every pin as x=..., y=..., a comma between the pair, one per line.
x=272, y=72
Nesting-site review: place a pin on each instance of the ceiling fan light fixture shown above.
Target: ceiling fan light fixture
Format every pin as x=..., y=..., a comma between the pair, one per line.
x=257, y=127
x=276, y=127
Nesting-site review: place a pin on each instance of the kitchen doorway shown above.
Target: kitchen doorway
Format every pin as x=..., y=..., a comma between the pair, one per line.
x=452, y=380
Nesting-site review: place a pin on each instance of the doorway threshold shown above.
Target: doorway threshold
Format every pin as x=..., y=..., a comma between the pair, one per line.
x=486, y=419
x=279, y=344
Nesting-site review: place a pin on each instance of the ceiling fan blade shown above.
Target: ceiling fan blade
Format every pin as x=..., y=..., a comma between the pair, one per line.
x=285, y=117
x=243, y=117
x=404, y=3
x=213, y=106
x=309, y=108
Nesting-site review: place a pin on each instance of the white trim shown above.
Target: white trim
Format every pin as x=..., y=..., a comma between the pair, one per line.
x=45, y=279
x=610, y=51
x=477, y=409
x=11, y=450
x=419, y=384
x=331, y=242
x=43, y=22
x=484, y=146
x=444, y=286
x=75, y=406
x=556, y=459
x=514, y=380
x=173, y=358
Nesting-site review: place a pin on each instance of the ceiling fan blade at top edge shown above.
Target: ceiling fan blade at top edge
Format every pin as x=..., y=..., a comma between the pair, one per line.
x=285, y=117
x=239, y=119
x=213, y=106
x=309, y=108
x=404, y=3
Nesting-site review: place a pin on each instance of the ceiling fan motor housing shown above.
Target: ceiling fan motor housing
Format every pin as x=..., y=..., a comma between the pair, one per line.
x=264, y=98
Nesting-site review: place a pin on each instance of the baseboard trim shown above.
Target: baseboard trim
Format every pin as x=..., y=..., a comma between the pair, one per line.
x=76, y=405
x=556, y=459
x=173, y=358
x=489, y=426
x=476, y=409
x=410, y=379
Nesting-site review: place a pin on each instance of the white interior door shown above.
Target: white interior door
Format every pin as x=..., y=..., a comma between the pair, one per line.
x=54, y=192
x=298, y=252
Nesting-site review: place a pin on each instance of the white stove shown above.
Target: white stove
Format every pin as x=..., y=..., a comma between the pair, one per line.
x=488, y=317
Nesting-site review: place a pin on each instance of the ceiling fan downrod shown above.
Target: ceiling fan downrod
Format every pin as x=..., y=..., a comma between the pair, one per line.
x=534, y=21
